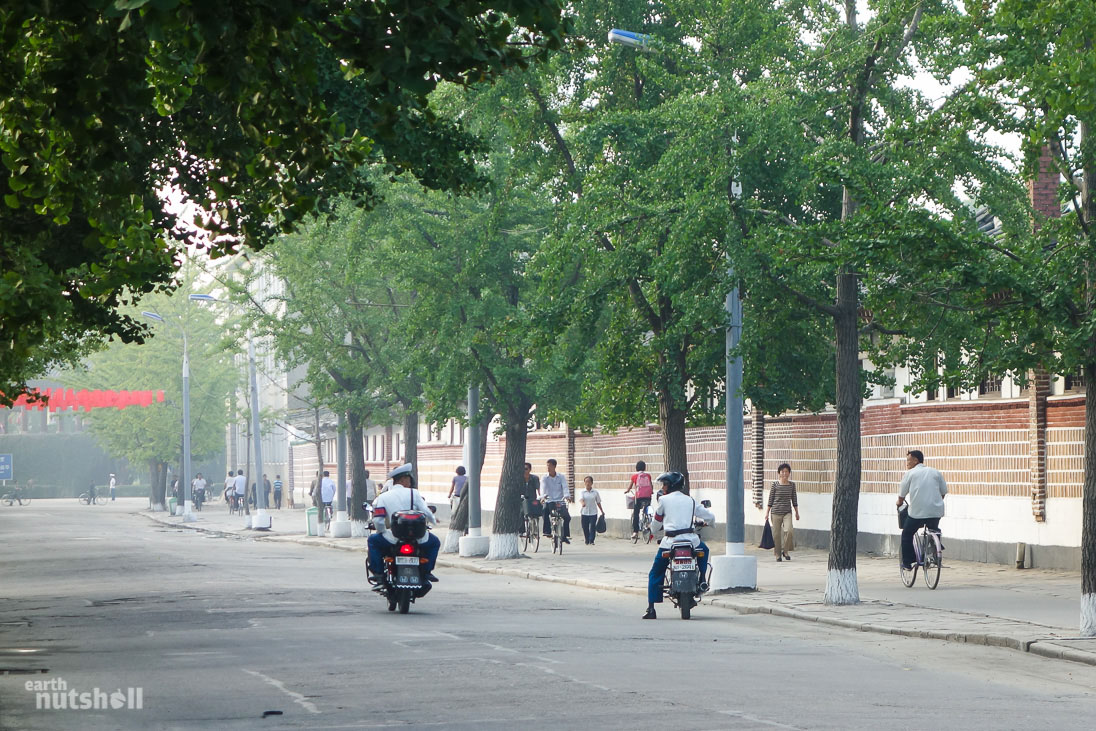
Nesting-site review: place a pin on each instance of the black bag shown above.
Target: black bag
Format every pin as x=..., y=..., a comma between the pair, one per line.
x=903, y=516
x=767, y=541
x=601, y=527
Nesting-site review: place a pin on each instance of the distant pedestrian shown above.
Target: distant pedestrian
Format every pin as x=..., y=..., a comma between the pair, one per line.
x=327, y=495
x=199, y=490
x=113, y=484
x=782, y=501
x=370, y=487
x=456, y=487
x=266, y=491
x=641, y=487
x=590, y=501
x=278, y=492
x=240, y=484
x=314, y=492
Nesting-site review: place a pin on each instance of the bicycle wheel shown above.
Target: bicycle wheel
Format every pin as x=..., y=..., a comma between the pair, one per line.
x=24, y=501
x=100, y=500
x=83, y=498
x=525, y=540
x=908, y=575
x=8, y=500
x=932, y=561
x=534, y=531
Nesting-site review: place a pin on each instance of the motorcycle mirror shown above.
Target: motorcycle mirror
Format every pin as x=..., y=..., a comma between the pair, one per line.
x=433, y=508
x=706, y=503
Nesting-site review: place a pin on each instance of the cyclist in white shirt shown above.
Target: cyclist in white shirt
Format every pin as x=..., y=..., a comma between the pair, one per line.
x=676, y=511
x=926, y=489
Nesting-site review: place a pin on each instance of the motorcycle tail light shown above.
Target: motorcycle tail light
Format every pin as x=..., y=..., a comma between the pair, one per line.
x=407, y=549
x=683, y=552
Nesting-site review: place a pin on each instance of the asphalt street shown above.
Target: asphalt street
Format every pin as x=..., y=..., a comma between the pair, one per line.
x=215, y=632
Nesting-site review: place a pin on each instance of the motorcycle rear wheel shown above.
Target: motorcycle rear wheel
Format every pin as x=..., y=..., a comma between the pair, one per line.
x=404, y=600
x=685, y=603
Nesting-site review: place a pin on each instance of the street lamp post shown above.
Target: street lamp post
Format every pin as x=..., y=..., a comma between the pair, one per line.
x=188, y=504
x=261, y=520
x=735, y=570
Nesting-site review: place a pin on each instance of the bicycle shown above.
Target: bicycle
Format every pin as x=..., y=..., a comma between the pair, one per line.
x=927, y=550
x=531, y=532
x=644, y=527
x=13, y=497
x=556, y=521
x=86, y=499
x=327, y=515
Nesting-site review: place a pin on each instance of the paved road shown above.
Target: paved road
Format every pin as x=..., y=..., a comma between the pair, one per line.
x=216, y=631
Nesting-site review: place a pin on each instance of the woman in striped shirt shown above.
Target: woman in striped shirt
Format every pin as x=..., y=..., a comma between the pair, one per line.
x=782, y=501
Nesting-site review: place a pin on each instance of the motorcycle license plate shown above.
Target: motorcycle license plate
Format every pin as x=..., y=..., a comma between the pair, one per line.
x=684, y=564
x=407, y=560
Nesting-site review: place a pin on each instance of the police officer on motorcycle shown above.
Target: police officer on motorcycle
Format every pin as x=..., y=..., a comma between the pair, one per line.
x=401, y=496
x=676, y=512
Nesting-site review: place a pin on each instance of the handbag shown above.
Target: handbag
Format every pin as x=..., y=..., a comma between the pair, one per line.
x=903, y=516
x=601, y=527
x=767, y=541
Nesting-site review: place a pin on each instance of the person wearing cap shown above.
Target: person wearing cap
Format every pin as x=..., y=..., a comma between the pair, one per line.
x=401, y=496
x=113, y=484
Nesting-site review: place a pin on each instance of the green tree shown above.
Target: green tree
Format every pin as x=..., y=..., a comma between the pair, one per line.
x=252, y=113
x=152, y=436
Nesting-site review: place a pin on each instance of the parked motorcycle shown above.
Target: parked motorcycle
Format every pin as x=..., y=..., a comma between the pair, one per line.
x=404, y=578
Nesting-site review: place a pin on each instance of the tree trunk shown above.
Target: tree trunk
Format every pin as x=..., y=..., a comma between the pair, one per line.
x=357, y=464
x=841, y=584
x=157, y=486
x=671, y=419
x=1088, y=499
x=458, y=525
x=411, y=442
x=508, y=521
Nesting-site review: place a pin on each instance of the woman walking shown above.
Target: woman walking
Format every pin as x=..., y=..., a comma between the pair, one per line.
x=782, y=501
x=590, y=500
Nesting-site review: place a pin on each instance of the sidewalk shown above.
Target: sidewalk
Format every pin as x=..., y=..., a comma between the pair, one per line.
x=1030, y=610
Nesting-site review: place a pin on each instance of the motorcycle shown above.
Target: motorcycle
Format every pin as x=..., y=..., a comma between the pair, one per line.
x=684, y=584
x=404, y=577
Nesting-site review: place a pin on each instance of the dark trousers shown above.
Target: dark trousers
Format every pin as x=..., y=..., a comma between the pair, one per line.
x=562, y=508
x=912, y=526
x=278, y=499
x=379, y=547
x=640, y=504
x=589, y=528
x=657, y=578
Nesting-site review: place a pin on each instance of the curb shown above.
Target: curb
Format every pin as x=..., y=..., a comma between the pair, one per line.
x=1035, y=646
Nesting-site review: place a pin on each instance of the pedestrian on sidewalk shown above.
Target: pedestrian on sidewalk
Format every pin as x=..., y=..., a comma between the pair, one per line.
x=782, y=501
x=113, y=485
x=590, y=501
x=240, y=483
x=456, y=487
x=278, y=492
x=641, y=488
x=926, y=489
x=199, y=490
x=266, y=491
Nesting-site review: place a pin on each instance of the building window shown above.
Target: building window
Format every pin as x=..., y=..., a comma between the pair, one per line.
x=990, y=386
x=1075, y=381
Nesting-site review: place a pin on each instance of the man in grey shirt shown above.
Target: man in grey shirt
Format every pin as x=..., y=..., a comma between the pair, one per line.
x=926, y=489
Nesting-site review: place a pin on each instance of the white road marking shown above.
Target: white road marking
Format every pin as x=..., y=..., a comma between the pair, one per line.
x=297, y=697
x=755, y=719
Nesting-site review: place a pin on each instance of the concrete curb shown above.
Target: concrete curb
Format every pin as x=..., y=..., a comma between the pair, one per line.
x=1035, y=645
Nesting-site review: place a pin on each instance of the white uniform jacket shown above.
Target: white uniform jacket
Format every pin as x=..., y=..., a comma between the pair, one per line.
x=676, y=512
x=395, y=499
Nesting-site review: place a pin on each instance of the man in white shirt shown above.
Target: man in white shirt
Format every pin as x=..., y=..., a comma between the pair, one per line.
x=327, y=492
x=401, y=496
x=926, y=489
x=370, y=488
x=113, y=484
x=240, y=483
x=556, y=492
x=676, y=512
x=198, y=487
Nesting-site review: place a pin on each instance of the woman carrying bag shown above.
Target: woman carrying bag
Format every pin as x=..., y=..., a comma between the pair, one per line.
x=590, y=500
x=782, y=501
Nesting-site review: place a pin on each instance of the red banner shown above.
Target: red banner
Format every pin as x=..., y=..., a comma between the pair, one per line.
x=61, y=399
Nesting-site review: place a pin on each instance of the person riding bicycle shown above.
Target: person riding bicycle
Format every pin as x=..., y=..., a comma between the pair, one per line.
x=926, y=489
x=556, y=494
x=641, y=488
x=401, y=496
x=327, y=494
x=676, y=512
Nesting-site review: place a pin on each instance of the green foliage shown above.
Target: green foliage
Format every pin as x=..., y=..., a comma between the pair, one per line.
x=253, y=113
x=66, y=462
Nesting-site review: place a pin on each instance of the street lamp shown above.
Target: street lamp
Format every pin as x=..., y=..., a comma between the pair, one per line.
x=261, y=520
x=188, y=512
x=735, y=570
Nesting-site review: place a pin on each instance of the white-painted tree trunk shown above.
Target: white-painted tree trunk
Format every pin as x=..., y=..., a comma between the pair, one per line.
x=451, y=544
x=841, y=587
x=158, y=507
x=1088, y=615
x=504, y=546
x=359, y=529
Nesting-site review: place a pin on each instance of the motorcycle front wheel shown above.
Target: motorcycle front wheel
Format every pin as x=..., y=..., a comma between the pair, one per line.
x=404, y=599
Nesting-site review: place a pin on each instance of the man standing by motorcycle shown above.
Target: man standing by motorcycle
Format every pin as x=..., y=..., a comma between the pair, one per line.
x=401, y=496
x=676, y=512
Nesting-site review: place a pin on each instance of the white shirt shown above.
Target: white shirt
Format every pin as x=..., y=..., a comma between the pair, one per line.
x=240, y=483
x=112, y=483
x=327, y=490
x=590, y=500
x=926, y=489
x=676, y=512
x=395, y=499
x=554, y=487
x=200, y=484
